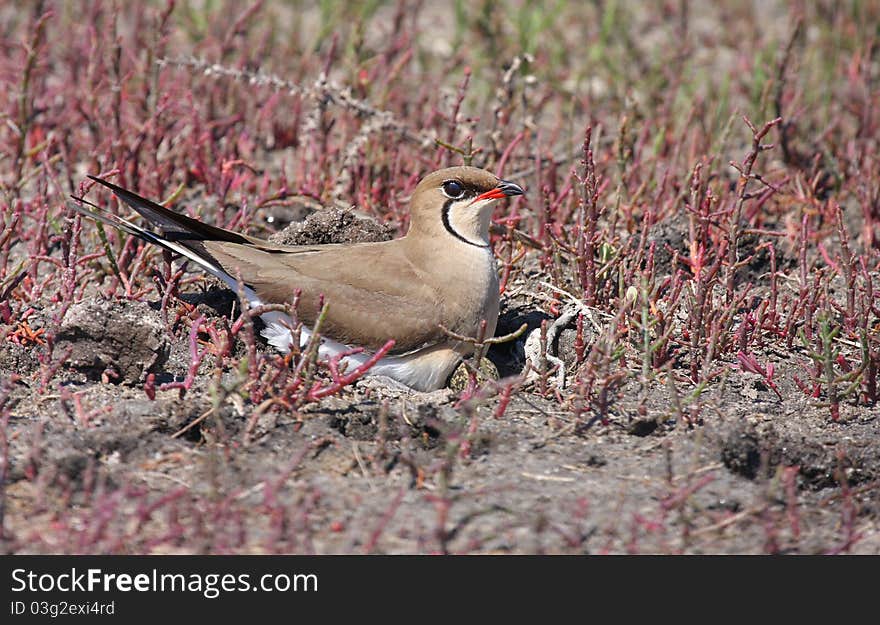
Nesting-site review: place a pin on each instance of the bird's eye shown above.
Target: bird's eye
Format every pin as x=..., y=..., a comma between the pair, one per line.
x=453, y=189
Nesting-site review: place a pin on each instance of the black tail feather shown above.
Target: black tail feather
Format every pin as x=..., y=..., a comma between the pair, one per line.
x=174, y=226
x=191, y=249
x=115, y=221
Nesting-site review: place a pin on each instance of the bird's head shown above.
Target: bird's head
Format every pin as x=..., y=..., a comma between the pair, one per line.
x=458, y=201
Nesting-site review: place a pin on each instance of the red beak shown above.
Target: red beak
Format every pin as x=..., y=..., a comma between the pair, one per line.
x=504, y=189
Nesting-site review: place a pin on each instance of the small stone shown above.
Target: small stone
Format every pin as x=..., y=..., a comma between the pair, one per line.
x=642, y=426
x=459, y=380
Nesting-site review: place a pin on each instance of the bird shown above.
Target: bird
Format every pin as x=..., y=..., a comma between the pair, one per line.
x=426, y=290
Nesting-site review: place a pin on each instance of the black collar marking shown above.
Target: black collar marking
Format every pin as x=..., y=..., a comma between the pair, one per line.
x=447, y=206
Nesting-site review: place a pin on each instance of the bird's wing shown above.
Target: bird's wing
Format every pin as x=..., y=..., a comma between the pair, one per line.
x=372, y=291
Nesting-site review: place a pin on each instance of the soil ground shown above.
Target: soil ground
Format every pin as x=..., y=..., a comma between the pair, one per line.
x=382, y=469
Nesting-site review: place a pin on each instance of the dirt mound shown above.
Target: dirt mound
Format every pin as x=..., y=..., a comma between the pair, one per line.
x=333, y=225
x=757, y=447
x=122, y=339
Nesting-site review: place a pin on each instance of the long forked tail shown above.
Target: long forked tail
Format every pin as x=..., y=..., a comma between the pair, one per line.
x=178, y=233
x=174, y=226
